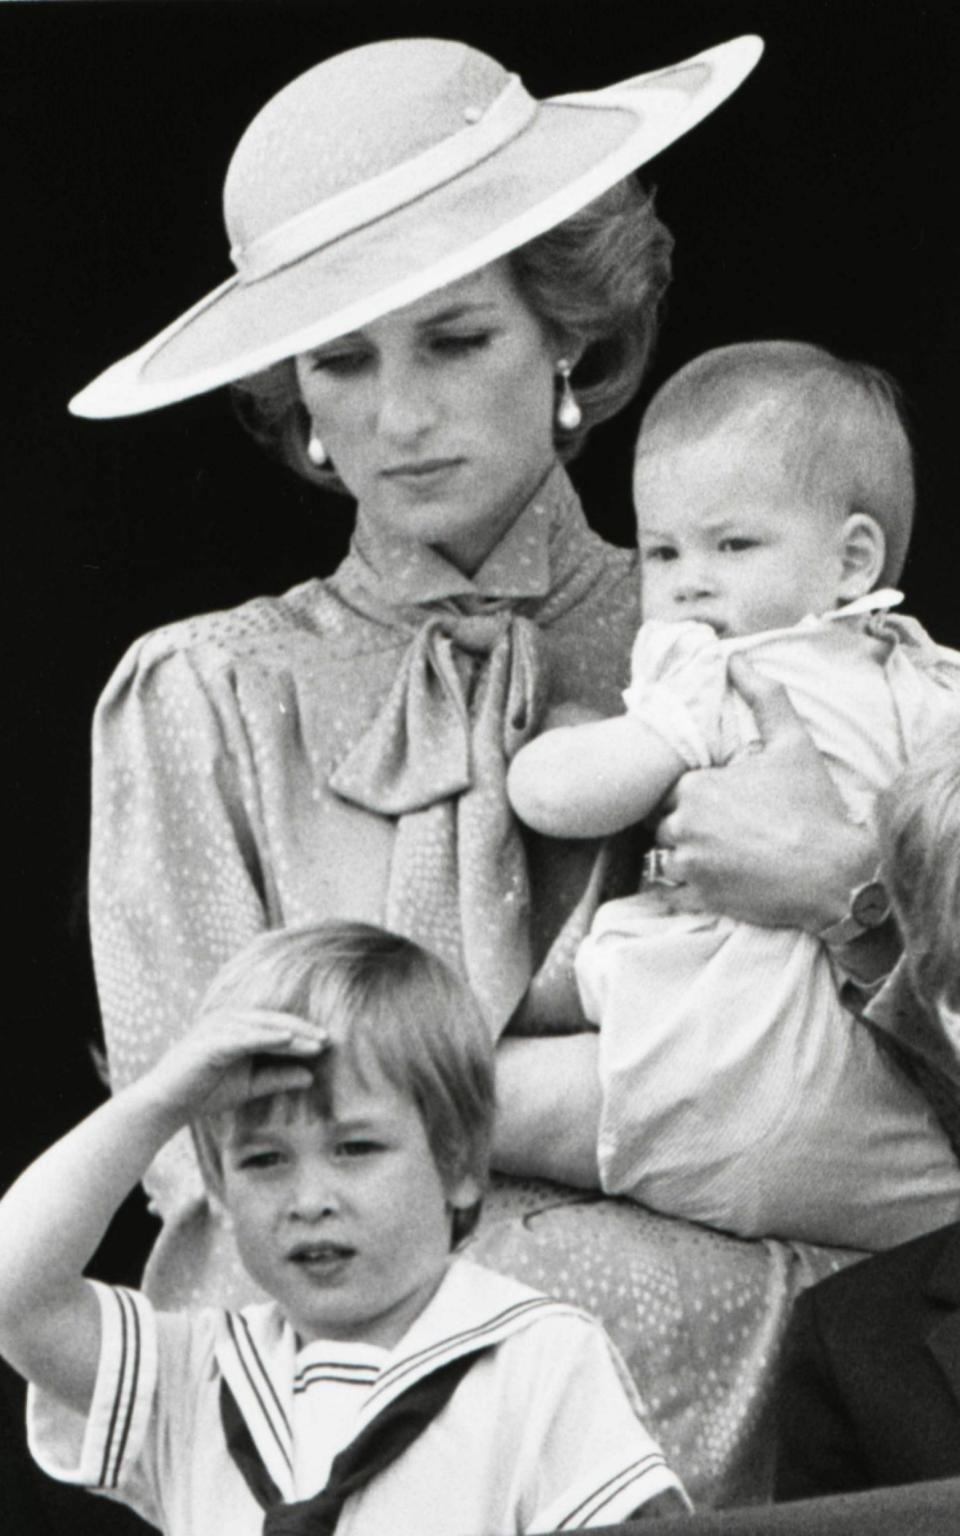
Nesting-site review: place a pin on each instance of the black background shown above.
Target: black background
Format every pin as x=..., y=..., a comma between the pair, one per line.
x=818, y=203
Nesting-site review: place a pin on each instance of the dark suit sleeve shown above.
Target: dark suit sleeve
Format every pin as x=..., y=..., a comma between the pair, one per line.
x=817, y=1445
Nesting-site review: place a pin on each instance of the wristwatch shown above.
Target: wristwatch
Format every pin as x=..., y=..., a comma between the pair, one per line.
x=869, y=908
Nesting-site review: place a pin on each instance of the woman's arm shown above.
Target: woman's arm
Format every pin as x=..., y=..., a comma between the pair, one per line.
x=591, y=780
x=175, y=882
x=54, y=1217
x=548, y=1109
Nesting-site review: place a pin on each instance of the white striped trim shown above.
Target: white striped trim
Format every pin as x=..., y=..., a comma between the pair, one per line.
x=616, y=1496
x=493, y=1330
x=610, y=1490
x=319, y=1371
x=262, y=1374
x=257, y=1397
x=123, y=1394
x=127, y=1380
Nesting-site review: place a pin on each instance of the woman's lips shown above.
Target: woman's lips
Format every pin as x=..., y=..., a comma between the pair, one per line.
x=421, y=469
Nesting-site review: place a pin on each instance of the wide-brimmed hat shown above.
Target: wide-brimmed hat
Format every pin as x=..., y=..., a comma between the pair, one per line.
x=387, y=172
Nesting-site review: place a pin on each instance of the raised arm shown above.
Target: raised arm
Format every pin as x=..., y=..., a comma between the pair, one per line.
x=53, y=1218
x=591, y=780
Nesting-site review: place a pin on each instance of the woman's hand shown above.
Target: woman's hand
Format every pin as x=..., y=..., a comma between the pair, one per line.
x=230, y=1056
x=767, y=838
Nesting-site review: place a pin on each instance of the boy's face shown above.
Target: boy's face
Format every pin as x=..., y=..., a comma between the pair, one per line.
x=726, y=539
x=344, y=1220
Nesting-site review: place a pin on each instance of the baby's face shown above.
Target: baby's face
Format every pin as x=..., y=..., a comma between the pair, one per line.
x=725, y=539
x=342, y=1219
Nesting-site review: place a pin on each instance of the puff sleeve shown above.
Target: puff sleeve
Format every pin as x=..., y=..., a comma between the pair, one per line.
x=678, y=688
x=176, y=885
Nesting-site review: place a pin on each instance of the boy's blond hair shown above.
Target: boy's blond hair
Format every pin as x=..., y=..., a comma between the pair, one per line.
x=919, y=817
x=838, y=427
x=380, y=999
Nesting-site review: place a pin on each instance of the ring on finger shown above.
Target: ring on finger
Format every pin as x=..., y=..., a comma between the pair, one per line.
x=655, y=868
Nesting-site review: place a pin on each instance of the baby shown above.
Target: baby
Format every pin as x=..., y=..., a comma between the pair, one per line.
x=340, y=1086
x=774, y=495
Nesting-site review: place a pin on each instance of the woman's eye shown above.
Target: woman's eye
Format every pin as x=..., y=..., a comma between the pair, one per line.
x=456, y=344
x=735, y=546
x=338, y=362
x=660, y=552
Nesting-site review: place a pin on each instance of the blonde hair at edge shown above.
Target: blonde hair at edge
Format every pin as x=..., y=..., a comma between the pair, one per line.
x=380, y=999
x=837, y=425
x=919, y=818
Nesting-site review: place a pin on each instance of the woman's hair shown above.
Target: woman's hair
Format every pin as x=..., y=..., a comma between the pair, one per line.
x=595, y=283
x=919, y=819
x=379, y=999
x=837, y=425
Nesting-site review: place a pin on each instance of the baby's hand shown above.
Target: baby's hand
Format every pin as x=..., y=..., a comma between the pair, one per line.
x=232, y=1055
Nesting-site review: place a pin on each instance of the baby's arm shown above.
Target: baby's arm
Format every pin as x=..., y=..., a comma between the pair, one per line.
x=55, y=1215
x=592, y=780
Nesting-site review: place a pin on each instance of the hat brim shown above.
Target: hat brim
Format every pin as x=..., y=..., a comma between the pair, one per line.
x=575, y=149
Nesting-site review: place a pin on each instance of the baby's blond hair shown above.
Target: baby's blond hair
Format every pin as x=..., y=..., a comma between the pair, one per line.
x=837, y=426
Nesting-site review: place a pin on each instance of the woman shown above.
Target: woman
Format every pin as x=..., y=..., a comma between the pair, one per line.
x=437, y=295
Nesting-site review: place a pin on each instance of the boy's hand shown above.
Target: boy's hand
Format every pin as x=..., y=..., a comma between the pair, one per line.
x=55, y=1215
x=233, y=1055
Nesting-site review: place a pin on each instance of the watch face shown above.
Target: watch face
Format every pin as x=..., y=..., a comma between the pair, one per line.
x=871, y=905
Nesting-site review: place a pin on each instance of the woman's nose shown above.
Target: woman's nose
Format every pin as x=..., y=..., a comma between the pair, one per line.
x=405, y=406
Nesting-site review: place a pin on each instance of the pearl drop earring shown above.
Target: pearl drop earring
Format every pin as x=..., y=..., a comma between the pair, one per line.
x=569, y=414
x=316, y=452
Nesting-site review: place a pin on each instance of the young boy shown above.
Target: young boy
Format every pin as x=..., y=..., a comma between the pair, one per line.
x=919, y=821
x=340, y=1086
x=870, y=1394
x=774, y=492
x=918, y=1009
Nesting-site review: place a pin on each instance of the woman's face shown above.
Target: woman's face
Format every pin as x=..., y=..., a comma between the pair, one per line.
x=439, y=417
